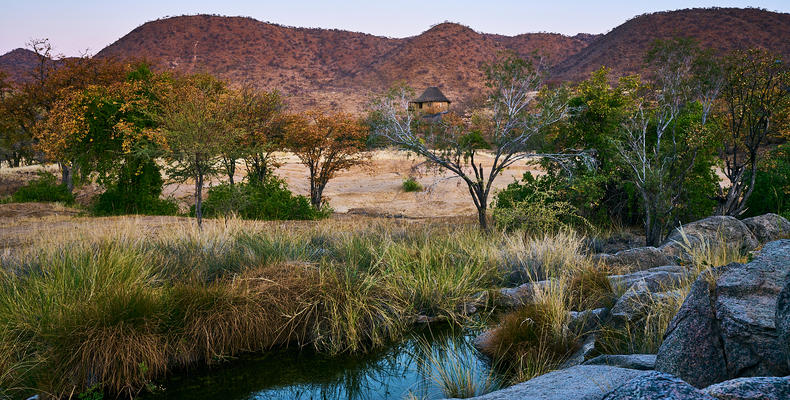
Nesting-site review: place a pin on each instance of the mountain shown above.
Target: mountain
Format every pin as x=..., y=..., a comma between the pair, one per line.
x=623, y=48
x=340, y=69
x=18, y=64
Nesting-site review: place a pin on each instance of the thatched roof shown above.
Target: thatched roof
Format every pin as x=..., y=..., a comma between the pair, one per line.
x=430, y=95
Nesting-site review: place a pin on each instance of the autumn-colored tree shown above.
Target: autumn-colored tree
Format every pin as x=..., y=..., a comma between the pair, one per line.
x=254, y=127
x=326, y=144
x=755, y=100
x=193, y=123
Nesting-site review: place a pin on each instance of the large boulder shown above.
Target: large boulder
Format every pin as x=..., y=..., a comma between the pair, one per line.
x=638, y=258
x=587, y=321
x=726, y=327
x=643, y=362
x=656, y=279
x=768, y=227
x=759, y=388
x=711, y=230
x=657, y=386
x=583, y=382
x=520, y=295
x=783, y=319
x=637, y=302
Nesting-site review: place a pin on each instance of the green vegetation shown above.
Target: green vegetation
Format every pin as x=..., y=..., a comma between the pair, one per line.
x=45, y=188
x=411, y=185
x=268, y=200
x=772, y=184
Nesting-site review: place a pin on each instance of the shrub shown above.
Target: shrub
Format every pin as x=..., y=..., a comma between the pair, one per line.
x=45, y=188
x=411, y=185
x=270, y=200
x=771, y=184
x=136, y=191
x=534, y=206
x=590, y=288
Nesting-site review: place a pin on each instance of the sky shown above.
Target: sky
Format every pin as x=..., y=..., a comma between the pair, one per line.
x=79, y=27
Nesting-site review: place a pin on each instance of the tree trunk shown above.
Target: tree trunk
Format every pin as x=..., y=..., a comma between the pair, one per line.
x=316, y=194
x=481, y=218
x=67, y=176
x=199, y=199
x=230, y=168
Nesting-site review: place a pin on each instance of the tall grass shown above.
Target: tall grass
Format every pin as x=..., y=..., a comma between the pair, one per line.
x=117, y=305
x=455, y=369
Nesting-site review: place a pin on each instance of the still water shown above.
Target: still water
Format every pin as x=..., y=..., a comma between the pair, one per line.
x=411, y=368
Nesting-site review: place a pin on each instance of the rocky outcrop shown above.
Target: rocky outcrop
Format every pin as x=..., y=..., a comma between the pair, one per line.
x=637, y=301
x=639, y=258
x=656, y=279
x=713, y=230
x=583, y=382
x=657, y=386
x=587, y=321
x=759, y=388
x=782, y=319
x=642, y=362
x=726, y=327
x=768, y=227
x=520, y=295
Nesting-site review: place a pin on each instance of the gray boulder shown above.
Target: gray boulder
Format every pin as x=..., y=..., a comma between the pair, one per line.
x=657, y=386
x=583, y=382
x=712, y=229
x=484, y=342
x=768, y=227
x=585, y=350
x=759, y=388
x=642, y=362
x=639, y=258
x=637, y=301
x=587, y=321
x=520, y=295
x=783, y=319
x=656, y=279
x=726, y=327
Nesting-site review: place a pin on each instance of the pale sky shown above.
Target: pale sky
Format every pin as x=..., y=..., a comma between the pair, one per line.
x=76, y=26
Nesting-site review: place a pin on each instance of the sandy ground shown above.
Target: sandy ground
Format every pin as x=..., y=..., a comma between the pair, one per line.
x=376, y=187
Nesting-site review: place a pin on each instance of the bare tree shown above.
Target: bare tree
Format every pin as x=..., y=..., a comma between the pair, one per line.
x=658, y=153
x=755, y=95
x=517, y=112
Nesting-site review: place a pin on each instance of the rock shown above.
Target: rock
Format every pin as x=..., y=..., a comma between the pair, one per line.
x=636, y=302
x=520, y=295
x=583, y=382
x=656, y=279
x=782, y=319
x=587, y=321
x=578, y=357
x=728, y=329
x=639, y=257
x=768, y=227
x=484, y=342
x=759, y=388
x=657, y=386
x=643, y=362
x=712, y=229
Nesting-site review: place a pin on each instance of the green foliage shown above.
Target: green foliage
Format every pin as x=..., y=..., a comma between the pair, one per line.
x=411, y=185
x=270, y=200
x=536, y=206
x=772, y=184
x=135, y=191
x=45, y=188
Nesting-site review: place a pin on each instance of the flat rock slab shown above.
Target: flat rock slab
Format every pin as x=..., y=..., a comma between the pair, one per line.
x=642, y=362
x=583, y=382
x=759, y=388
x=657, y=386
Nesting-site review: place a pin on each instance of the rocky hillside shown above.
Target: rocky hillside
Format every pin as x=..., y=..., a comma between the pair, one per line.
x=623, y=48
x=340, y=69
x=18, y=64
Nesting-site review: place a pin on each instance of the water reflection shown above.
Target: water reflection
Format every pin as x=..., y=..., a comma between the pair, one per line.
x=393, y=373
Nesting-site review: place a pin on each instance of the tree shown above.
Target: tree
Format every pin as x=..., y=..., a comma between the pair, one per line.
x=255, y=123
x=755, y=96
x=326, y=144
x=192, y=123
x=519, y=110
x=663, y=134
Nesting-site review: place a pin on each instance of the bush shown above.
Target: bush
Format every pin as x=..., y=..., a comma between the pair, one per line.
x=45, y=188
x=772, y=184
x=535, y=206
x=411, y=185
x=270, y=200
x=136, y=191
